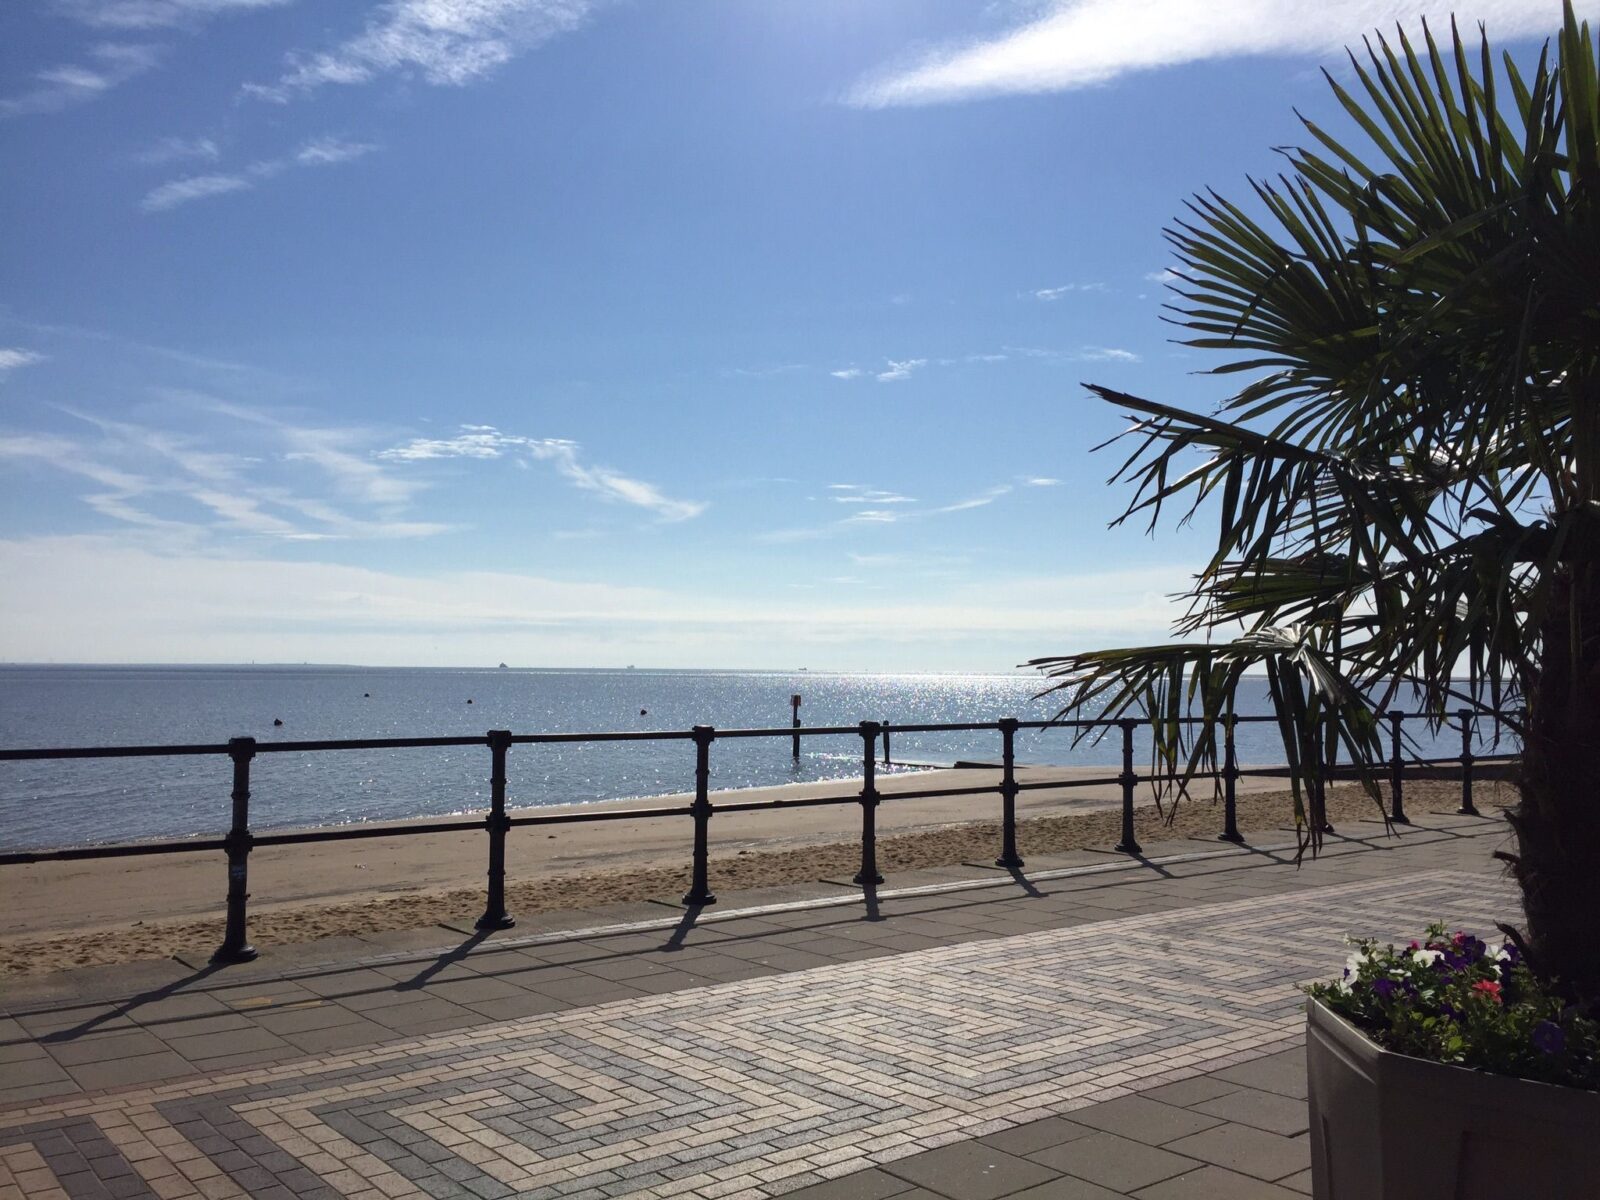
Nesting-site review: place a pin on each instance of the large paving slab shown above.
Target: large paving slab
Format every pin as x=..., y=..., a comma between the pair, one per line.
x=847, y=1074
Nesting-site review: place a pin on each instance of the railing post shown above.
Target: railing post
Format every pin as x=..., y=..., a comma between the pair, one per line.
x=1129, y=844
x=497, y=823
x=1230, y=785
x=886, y=743
x=236, y=945
x=868, y=875
x=1397, y=769
x=1321, y=776
x=794, y=706
x=1009, y=858
x=1466, y=809
x=699, y=894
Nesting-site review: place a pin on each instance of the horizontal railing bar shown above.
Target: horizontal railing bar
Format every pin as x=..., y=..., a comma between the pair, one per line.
x=934, y=793
x=367, y=744
x=121, y=850
x=612, y=736
x=601, y=814
x=109, y=752
x=1066, y=783
x=345, y=833
x=661, y=735
x=798, y=802
x=802, y=730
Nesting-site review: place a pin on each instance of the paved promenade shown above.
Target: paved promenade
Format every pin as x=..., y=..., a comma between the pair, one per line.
x=1093, y=1028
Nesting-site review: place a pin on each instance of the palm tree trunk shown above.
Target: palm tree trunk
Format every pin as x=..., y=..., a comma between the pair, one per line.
x=1557, y=821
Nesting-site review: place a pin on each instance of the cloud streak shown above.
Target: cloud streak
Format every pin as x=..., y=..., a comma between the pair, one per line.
x=174, y=149
x=145, y=477
x=177, y=192
x=109, y=65
x=156, y=14
x=318, y=152
x=901, y=369
x=14, y=358
x=487, y=442
x=445, y=43
x=1051, y=294
x=1085, y=43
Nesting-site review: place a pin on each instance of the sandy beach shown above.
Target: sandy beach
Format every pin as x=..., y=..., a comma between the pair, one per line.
x=62, y=914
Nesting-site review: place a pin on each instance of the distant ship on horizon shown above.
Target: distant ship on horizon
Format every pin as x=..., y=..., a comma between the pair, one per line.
x=502, y=667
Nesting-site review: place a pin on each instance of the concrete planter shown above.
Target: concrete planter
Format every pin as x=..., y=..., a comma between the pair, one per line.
x=1386, y=1126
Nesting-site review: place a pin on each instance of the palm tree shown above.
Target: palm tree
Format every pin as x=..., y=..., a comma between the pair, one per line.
x=1407, y=490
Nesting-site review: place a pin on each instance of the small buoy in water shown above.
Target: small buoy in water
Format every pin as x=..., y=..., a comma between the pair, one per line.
x=366, y=695
x=644, y=712
x=277, y=720
x=469, y=701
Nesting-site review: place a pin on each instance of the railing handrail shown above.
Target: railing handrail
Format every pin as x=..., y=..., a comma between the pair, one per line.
x=497, y=821
x=621, y=735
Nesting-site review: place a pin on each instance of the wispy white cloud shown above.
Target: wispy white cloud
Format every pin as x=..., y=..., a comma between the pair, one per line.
x=14, y=357
x=900, y=369
x=146, y=475
x=1105, y=354
x=1055, y=293
x=1083, y=43
x=769, y=372
x=1166, y=275
x=318, y=152
x=118, y=342
x=873, y=507
x=854, y=493
x=474, y=441
x=110, y=65
x=611, y=484
x=176, y=149
x=325, y=151
x=193, y=187
x=1081, y=354
x=1041, y=481
x=441, y=42
x=155, y=14
x=485, y=442
x=982, y=500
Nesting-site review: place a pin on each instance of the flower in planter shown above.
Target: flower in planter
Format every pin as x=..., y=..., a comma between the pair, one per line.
x=1453, y=998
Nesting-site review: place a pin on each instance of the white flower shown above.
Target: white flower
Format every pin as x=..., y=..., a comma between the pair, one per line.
x=1426, y=957
x=1352, y=965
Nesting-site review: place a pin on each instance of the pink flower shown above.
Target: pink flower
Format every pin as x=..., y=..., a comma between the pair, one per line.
x=1488, y=988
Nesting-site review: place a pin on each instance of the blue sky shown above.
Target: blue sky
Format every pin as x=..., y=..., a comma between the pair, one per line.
x=559, y=332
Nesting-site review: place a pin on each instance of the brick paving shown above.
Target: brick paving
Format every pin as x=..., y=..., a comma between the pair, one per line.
x=1100, y=1032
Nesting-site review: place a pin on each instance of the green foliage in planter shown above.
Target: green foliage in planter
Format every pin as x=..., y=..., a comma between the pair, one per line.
x=1454, y=999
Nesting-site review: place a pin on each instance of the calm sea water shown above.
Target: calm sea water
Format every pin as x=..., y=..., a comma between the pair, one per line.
x=68, y=802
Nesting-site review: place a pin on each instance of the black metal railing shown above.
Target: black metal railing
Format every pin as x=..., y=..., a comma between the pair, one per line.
x=240, y=840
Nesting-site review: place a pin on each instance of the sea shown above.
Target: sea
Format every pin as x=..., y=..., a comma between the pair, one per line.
x=89, y=801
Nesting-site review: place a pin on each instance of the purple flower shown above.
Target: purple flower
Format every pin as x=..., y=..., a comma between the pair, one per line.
x=1469, y=946
x=1385, y=988
x=1548, y=1038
